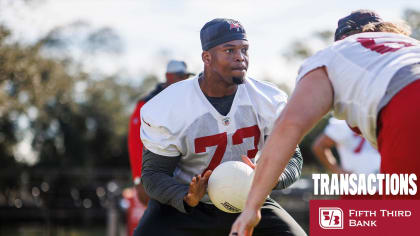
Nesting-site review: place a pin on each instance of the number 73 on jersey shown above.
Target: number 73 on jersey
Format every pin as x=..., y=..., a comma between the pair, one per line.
x=220, y=141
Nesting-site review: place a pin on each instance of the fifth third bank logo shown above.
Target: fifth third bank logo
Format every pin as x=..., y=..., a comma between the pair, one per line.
x=330, y=218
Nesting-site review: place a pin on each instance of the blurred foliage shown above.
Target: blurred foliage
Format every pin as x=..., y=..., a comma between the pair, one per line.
x=412, y=17
x=305, y=47
x=81, y=37
x=72, y=118
x=63, y=131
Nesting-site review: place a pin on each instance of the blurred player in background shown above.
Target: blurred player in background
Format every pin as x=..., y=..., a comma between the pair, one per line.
x=370, y=78
x=175, y=71
x=194, y=125
x=356, y=154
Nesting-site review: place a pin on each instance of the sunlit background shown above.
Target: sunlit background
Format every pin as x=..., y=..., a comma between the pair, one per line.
x=72, y=71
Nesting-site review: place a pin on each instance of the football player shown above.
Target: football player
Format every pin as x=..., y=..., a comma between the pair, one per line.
x=194, y=125
x=368, y=77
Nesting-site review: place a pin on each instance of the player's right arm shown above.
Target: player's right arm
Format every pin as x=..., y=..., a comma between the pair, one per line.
x=163, y=151
x=160, y=185
x=157, y=172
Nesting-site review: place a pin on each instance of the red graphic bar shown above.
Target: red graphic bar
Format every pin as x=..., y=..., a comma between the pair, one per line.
x=364, y=217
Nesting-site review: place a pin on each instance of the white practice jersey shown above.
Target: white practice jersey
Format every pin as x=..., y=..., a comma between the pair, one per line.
x=180, y=121
x=360, y=68
x=356, y=155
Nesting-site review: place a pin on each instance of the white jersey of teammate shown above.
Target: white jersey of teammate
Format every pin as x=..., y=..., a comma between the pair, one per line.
x=180, y=121
x=356, y=155
x=360, y=68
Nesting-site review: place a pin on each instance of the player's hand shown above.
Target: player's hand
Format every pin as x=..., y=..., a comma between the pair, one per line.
x=198, y=187
x=245, y=223
x=248, y=161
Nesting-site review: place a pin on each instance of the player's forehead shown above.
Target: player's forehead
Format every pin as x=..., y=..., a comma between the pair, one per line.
x=233, y=44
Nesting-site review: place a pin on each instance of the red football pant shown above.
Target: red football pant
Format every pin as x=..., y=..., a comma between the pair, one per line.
x=399, y=135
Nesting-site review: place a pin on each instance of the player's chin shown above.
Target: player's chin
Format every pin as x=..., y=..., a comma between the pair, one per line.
x=239, y=78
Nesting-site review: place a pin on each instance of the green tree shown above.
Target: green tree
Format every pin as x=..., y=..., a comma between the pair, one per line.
x=76, y=119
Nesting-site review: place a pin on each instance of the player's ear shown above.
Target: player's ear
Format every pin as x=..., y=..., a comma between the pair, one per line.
x=206, y=57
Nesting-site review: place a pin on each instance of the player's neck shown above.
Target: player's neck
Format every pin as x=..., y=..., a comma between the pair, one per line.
x=213, y=86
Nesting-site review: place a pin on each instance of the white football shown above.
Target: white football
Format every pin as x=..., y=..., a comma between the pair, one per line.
x=229, y=185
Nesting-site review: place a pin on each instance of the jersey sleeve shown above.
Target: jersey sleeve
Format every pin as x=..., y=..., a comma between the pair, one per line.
x=279, y=104
x=156, y=135
x=337, y=130
x=320, y=59
x=135, y=146
x=273, y=106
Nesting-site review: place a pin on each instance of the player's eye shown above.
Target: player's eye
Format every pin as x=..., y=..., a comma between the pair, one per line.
x=244, y=50
x=230, y=50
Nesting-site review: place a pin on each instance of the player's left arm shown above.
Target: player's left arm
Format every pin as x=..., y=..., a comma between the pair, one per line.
x=292, y=171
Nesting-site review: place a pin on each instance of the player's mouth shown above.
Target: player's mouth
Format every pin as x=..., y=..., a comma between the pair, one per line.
x=239, y=68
